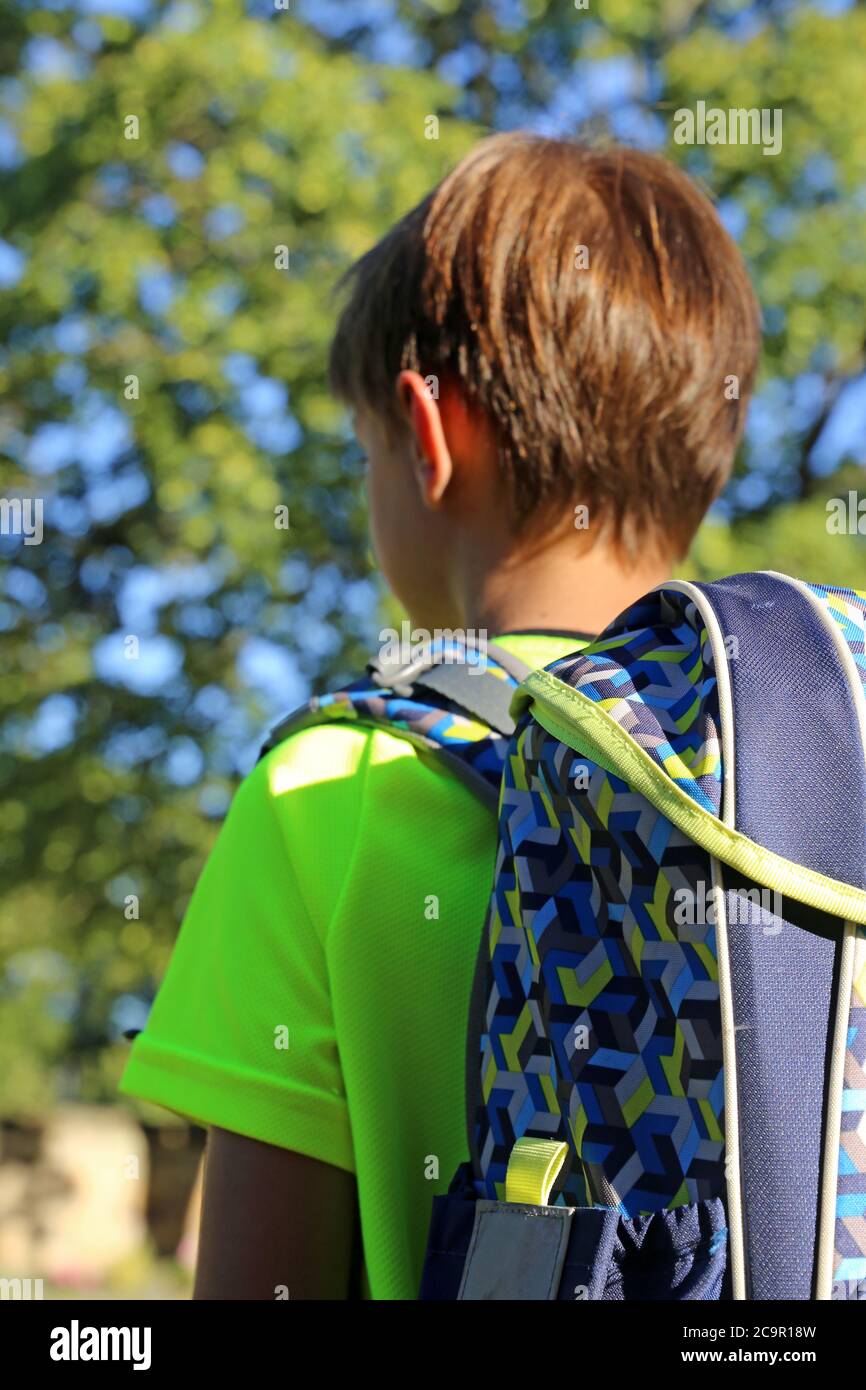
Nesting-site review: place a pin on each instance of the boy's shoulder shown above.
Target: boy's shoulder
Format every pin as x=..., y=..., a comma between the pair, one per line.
x=330, y=751
x=356, y=769
x=448, y=695
x=340, y=736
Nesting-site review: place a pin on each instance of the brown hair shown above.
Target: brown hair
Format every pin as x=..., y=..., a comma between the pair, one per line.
x=605, y=385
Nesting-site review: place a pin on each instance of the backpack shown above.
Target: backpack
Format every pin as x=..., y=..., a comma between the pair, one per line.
x=666, y=1052
x=666, y=1041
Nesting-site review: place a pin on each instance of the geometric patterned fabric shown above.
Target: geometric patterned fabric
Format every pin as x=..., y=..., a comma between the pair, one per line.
x=848, y=609
x=653, y=672
x=603, y=1025
x=850, y=1257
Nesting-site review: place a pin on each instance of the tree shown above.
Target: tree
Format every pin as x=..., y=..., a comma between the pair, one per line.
x=178, y=221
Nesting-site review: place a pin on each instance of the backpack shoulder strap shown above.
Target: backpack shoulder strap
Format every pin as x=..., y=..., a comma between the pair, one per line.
x=451, y=700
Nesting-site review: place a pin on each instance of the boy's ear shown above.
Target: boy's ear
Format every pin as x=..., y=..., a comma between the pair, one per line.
x=434, y=466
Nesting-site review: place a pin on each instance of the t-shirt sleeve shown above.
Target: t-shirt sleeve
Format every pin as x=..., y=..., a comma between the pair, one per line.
x=241, y=1034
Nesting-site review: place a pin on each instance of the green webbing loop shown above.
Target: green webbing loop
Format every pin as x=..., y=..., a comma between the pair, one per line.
x=533, y=1168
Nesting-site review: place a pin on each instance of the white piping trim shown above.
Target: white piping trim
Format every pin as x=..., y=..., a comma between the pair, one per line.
x=826, y=1240
x=733, y=1172
x=723, y=678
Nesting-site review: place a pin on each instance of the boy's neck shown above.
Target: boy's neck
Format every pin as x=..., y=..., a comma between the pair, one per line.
x=557, y=588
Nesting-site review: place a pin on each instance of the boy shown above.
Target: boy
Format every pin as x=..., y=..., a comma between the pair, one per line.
x=582, y=315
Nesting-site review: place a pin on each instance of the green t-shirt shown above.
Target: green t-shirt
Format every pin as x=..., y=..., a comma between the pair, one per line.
x=341, y=906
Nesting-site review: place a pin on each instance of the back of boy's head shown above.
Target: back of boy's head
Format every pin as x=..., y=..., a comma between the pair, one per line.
x=591, y=305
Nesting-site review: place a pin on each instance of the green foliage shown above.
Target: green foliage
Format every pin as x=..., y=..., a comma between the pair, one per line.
x=803, y=207
x=797, y=538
